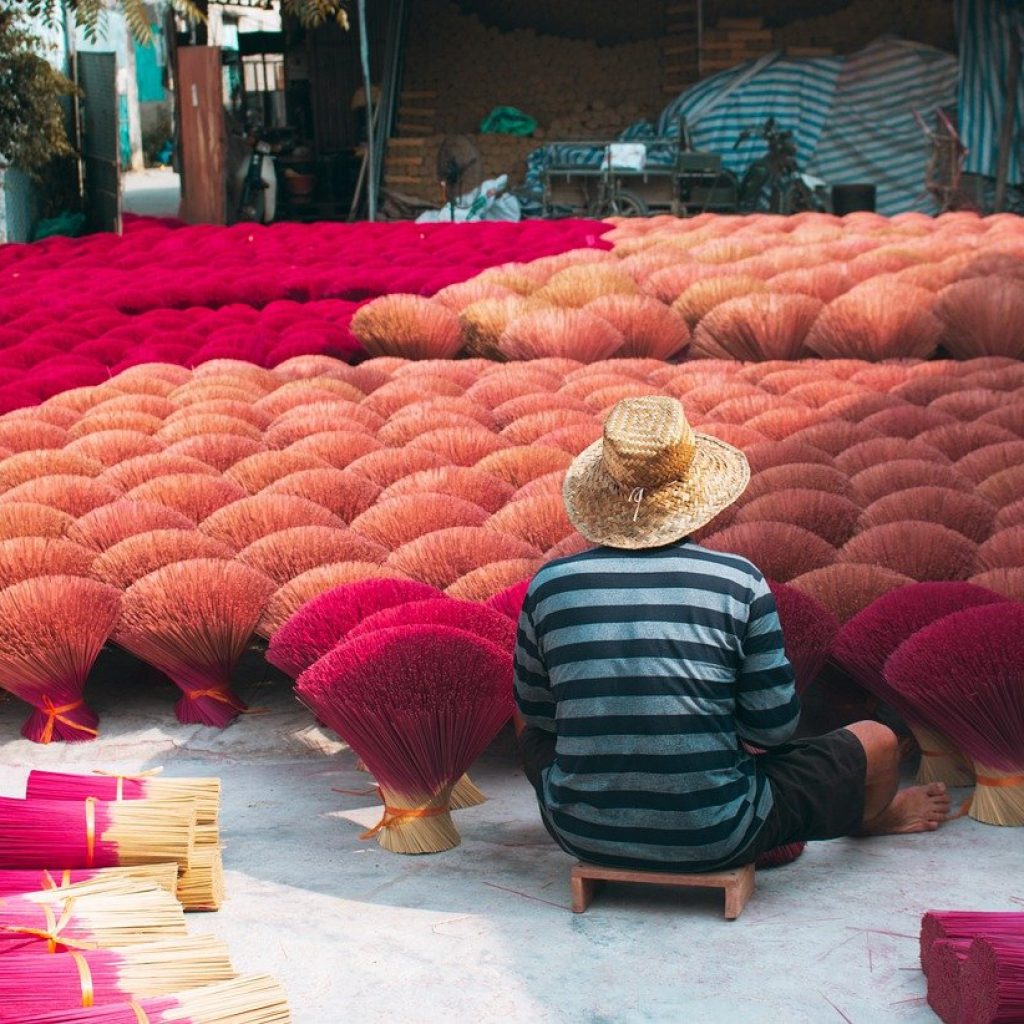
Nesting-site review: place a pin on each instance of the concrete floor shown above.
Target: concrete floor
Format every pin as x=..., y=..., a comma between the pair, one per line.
x=484, y=933
x=154, y=192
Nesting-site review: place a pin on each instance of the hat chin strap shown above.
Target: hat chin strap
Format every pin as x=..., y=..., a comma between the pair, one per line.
x=636, y=495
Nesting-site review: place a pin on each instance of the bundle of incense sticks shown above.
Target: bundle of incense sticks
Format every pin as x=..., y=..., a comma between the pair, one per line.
x=91, y=833
x=31, y=880
x=146, y=785
x=967, y=924
x=201, y=886
x=251, y=999
x=103, y=913
x=32, y=984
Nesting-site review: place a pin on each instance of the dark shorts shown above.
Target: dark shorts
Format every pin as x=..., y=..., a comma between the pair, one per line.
x=817, y=788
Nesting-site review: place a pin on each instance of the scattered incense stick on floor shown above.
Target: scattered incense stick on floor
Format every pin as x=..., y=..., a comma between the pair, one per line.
x=90, y=833
x=109, y=785
x=14, y=882
x=252, y=999
x=82, y=978
x=108, y=914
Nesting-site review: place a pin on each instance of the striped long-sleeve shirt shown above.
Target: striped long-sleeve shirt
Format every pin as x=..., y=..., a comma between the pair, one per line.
x=650, y=667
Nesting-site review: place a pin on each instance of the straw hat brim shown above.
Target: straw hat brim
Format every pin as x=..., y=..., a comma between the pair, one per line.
x=602, y=509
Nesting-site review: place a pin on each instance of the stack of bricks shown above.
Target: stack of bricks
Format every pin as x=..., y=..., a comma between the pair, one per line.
x=733, y=41
x=679, y=53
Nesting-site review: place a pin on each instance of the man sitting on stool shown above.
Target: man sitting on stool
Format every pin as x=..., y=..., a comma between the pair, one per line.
x=648, y=667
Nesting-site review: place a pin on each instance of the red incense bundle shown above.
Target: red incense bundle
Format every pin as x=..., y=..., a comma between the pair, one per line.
x=252, y=999
x=91, y=833
x=967, y=924
x=992, y=981
x=105, y=913
x=944, y=978
x=34, y=984
x=16, y=882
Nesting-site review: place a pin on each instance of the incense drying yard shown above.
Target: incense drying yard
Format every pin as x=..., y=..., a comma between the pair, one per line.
x=231, y=459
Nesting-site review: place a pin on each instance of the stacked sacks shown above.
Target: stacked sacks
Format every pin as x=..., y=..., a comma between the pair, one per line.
x=270, y=487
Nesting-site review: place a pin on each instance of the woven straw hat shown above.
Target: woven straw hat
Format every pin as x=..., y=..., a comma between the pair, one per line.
x=651, y=479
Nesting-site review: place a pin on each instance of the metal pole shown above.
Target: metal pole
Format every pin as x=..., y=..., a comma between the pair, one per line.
x=371, y=175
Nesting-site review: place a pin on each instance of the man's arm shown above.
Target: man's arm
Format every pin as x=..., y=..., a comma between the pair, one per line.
x=534, y=701
x=767, y=707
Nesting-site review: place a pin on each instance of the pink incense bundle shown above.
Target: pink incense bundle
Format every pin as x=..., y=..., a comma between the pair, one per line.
x=967, y=924
x=963, y=675
x=250, y=999
x=418, y=704
x=91, y=833
x=866, y=641
x=54, y=629
x=324, y=622
x=34, y=984
x=945, y=980
x=808, y=629
x=192, y=620
x=16, y=882
x=992, y=981
x=510, y=600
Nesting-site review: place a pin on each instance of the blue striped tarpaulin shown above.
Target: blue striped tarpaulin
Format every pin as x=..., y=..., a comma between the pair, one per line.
x=872, y=135
x=983, y=28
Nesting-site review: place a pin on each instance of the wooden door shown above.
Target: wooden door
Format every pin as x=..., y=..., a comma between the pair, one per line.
x=200, y=98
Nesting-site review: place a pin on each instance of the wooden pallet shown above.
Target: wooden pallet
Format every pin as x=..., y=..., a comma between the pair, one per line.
x=737, y=884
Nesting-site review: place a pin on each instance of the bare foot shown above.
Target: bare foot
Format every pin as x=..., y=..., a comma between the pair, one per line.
x=917, y=809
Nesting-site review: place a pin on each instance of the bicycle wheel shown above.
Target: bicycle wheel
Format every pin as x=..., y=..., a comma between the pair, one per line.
x=624, y=203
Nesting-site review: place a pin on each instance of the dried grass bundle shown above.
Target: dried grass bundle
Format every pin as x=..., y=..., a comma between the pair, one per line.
x=559, y=332
x=982, y=316
x=34, y=984
x=540, y=521
x=921, y=550
x=469, y=484
x=877, y=320
x=23, y=558
x=142, y=468
x=55, y=629
x=30, y=465
x=871, y=484
x=195, y=495
x=110, y=524
x=285, y=554
x=418, y=704
x=483, y=583
x=648, y=327
x=519, y=465
x=781, y=551
x=30, y=519
x=440, y=558
x=109, y=913
x=344, y=492
x=323, y=622
x=75, y=495
x=701, y=297
x=389, y=465
x=396, y=521
x=958, y=510
x=1003, y=550
x=866, y=641
x=221, y=451
x=192, y=621
x=139, y=555
x=91, y=833
x=1008, y=582
x=246, y=521
x=109, y=447
x=288, y=599
x=962, y=673
x=830, y=516
x=809, y=630
x=484, y=322
x=407, y=326
x=755, y=327
x=847, y=588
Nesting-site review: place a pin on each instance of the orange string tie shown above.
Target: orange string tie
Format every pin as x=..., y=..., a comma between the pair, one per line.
x=85, y=977
x=1007, y=780
x=49, y=883
x=51, y=933
x=56, y=714
x=396, y=815
x=140, y=1013
x=138, y=777
x=90, y=831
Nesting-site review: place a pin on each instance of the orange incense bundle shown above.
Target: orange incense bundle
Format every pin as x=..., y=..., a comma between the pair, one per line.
x=91, y=833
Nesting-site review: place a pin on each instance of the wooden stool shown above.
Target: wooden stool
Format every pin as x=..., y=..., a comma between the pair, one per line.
x=738, y=884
